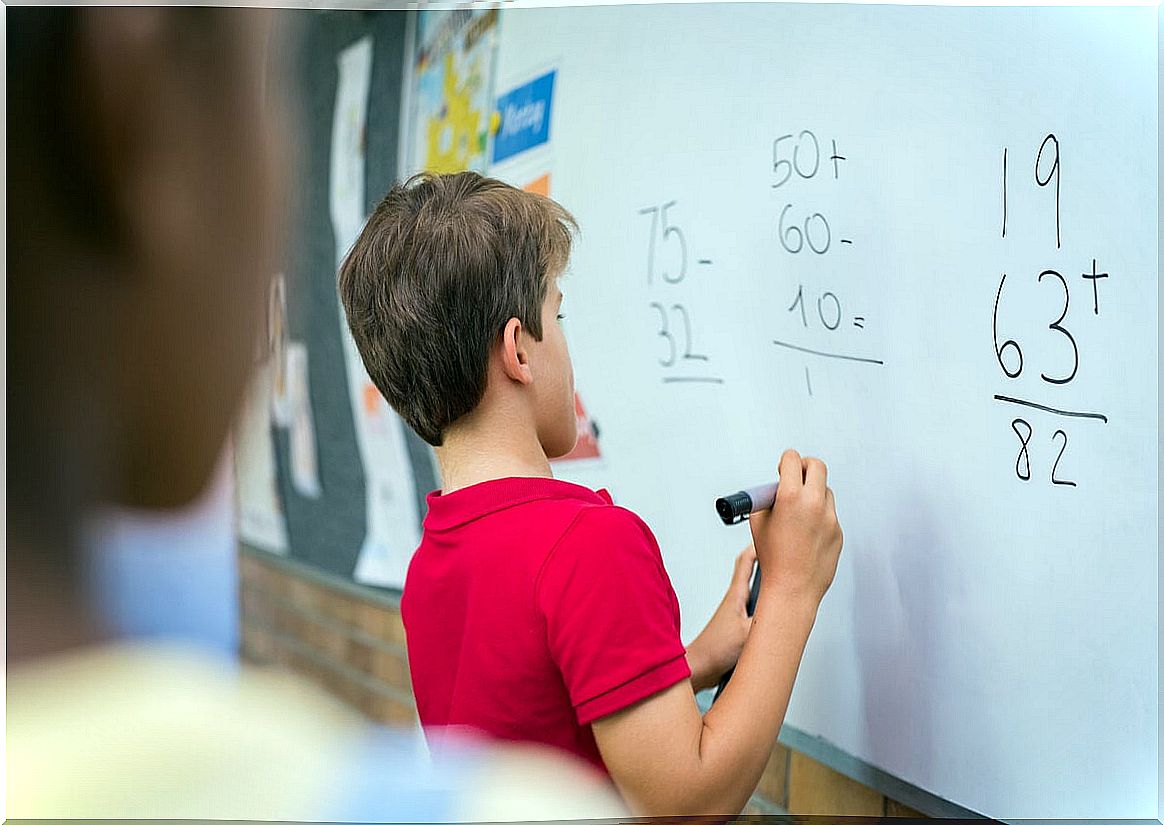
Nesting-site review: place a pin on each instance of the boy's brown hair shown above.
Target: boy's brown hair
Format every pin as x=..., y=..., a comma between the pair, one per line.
x=440, y=267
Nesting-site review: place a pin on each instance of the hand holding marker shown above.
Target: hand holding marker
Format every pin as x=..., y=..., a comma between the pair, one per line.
x=733, y=509
x=795, y=531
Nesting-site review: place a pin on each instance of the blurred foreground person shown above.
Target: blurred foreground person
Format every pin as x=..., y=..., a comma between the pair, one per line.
x=144, y=176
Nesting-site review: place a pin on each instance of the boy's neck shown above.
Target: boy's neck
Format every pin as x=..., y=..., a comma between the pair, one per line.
x=473, y=453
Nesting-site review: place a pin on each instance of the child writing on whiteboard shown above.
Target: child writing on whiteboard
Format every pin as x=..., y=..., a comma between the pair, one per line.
x=536, y=609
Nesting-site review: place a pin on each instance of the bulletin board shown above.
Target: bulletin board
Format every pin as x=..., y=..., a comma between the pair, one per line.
x=303, y=439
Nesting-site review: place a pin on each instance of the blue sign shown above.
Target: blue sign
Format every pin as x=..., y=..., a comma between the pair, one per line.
x=525, y=117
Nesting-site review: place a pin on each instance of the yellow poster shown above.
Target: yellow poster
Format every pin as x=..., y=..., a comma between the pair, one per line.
x=453, y=79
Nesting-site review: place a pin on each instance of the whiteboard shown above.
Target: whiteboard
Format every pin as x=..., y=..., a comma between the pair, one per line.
x=988, y=638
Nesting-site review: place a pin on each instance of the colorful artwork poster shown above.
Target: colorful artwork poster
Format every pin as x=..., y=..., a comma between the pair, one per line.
x=524, y=117
x=453, y=82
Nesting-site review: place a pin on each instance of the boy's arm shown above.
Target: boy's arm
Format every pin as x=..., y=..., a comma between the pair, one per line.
x=717, y=648
x=668, y=760
x=701, y=670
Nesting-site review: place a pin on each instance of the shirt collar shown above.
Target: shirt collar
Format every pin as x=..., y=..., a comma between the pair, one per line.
x=448, y=510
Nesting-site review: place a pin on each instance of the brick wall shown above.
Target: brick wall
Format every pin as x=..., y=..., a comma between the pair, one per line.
x=345, y=639
x=794, y=783
x=350, y=641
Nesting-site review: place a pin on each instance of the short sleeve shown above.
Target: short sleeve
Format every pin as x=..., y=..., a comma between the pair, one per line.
x=612, y=618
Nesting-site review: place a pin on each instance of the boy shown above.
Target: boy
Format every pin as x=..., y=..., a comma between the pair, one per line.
x=536, y=609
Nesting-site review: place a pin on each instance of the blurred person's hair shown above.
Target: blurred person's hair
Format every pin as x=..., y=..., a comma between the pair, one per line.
x=139, y=169
x=440, y=267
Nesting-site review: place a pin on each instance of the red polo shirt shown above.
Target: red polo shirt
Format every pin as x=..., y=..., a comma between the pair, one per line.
x=534, y=606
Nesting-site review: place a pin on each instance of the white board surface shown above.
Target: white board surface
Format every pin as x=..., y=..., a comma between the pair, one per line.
x=990, y=639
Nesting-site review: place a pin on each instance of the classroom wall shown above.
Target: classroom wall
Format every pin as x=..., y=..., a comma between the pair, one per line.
x=304, y=612
x=349, y=640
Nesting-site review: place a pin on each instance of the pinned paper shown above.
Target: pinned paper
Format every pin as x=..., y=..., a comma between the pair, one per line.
x=261, y=522
x=393, y=523
x=304, y=460
x=539, y=185
x=525, y=117
x=279, y=395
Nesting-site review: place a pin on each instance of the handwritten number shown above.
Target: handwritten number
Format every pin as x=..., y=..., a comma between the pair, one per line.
x=687, y=353
x=998, y=351
x=816, y=155
x=1056, y=326
x=665, y=333
x=653, y=211
x=1045, y=172
x=1053, y=172
x=828, y=234
x=820, y=310
x=1004, y=191
x=1022, y=464
x=777, y=162
x=669, y=231
x=800, y=300
x=783, y=168
x=1058, y=458
x=786, y=233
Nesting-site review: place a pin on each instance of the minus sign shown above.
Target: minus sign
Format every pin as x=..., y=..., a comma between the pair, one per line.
x=846, y=240
x=705, y=260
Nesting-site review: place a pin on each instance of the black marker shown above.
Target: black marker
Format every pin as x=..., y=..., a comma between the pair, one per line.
x=733, y=509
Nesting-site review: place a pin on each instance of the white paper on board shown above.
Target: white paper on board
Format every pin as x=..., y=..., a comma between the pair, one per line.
x=346, y=182
x=304, y=457
x=393, y=529
x=280, y=395
x=261, y=522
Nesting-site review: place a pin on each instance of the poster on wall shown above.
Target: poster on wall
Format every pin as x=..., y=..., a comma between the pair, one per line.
x=304, y=455
x=277, y=344
x=523, y=117
x=393, y=524
x=261, y=522
x=452, y=118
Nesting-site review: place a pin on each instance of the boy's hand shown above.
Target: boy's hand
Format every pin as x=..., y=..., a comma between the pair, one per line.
x=798, y=541
x=664, y=756
x=717, y=648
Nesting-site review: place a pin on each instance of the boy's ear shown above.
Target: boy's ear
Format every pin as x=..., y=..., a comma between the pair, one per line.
x=514, y=355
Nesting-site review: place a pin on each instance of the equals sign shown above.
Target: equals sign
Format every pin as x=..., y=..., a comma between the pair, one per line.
x=859, y=321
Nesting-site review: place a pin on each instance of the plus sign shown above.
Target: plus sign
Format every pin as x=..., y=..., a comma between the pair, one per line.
x=835, y=158
x=1094, y=277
